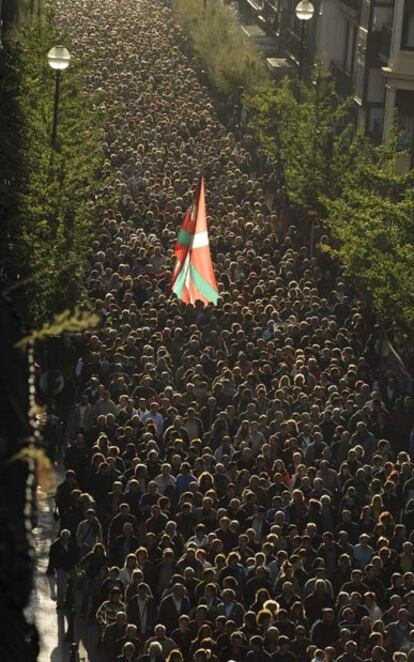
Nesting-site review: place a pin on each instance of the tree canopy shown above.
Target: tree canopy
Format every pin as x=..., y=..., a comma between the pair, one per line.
x=361, y=199
x=46, y=193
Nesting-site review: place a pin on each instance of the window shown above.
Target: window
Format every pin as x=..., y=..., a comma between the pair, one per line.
x=407, y=41
x=359, y=80
x=349, y=48
x=382, y=16
x=405, y=109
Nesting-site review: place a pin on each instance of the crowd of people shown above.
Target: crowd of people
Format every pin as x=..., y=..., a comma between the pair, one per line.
x=239, y=478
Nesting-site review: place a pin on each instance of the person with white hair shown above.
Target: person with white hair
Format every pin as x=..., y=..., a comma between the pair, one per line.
x=165, y=643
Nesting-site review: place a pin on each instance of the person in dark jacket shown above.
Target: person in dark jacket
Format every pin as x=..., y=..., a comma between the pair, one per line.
x=63, y=497
x=142, y=611
x=257, y=652
x=112, y=634
x=172, y=607
x=317, y=601
x=230, y=608
x=182, y=635
x=325, y=631
x=124, y=544
x=63, y=556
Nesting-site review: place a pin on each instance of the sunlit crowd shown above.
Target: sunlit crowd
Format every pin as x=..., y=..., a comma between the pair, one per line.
x=239, y=478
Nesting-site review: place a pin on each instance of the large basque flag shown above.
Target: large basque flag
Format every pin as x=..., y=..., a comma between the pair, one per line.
x=193, y=277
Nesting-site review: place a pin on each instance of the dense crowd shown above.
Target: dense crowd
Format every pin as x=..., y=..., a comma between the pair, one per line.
x=239, y=479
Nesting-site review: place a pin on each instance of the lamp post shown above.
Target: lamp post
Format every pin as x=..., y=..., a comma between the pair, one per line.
x=58, y=58
x=304, y=12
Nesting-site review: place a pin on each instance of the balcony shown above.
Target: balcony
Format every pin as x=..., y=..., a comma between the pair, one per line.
x=343, y=80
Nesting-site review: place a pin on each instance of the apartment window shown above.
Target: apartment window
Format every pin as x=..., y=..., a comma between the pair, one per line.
x=349, y=47
x=360, y=55
x=346, y=41
x=405, y=108
x=407, y=41
x=382, y=16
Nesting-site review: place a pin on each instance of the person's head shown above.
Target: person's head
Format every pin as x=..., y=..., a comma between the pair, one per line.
x=178, y=591
x=175, y=656
x=131, y=562
x=399, y=657
x=256, y=643
x=283, y=643
x=236, y=639
x=115, y=595
x=328, y=616
x=142, y=589
x=64, y=536
x=228, y=596
x=202, y=655
x=121, y=619
x=131, y=631
x=128, y=650
x=403, y=616
x=114, y=572
x=70, y=477
x=183, y=622
x=155, y=649
x=160, y=631
x=351, y=647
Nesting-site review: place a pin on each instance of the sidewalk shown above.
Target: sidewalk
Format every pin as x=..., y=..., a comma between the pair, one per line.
x=52, y=625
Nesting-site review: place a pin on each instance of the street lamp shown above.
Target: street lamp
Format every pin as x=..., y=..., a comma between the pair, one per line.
x=58, y=58
x=304, y=12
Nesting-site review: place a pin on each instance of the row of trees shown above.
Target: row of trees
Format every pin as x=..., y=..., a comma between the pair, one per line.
x=48, y=195
x=325, y=164
x=361, y=199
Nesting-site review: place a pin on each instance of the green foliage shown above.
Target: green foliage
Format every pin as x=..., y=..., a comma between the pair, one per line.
x=46, y=193
x=304, y=136
x=353, y=185
x=373, y=223
x=229, y=58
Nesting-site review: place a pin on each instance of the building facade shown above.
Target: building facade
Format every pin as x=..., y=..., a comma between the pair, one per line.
x=367, y=44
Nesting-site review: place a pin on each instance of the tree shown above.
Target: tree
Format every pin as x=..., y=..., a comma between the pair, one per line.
x=229, y=58
x=305, y=136
x=46, y=194
x=372, y=223
x=354, y=186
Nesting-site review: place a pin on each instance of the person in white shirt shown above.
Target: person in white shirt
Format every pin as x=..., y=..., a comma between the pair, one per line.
x=165, y=479
x=125, y=574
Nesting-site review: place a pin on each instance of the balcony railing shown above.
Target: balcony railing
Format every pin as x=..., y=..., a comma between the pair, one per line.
x=343, y=80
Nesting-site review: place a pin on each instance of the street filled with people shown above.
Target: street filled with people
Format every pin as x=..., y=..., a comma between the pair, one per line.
x=239, y=478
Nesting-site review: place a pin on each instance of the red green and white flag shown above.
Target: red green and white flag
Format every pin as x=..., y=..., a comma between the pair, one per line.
x=193, y=277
